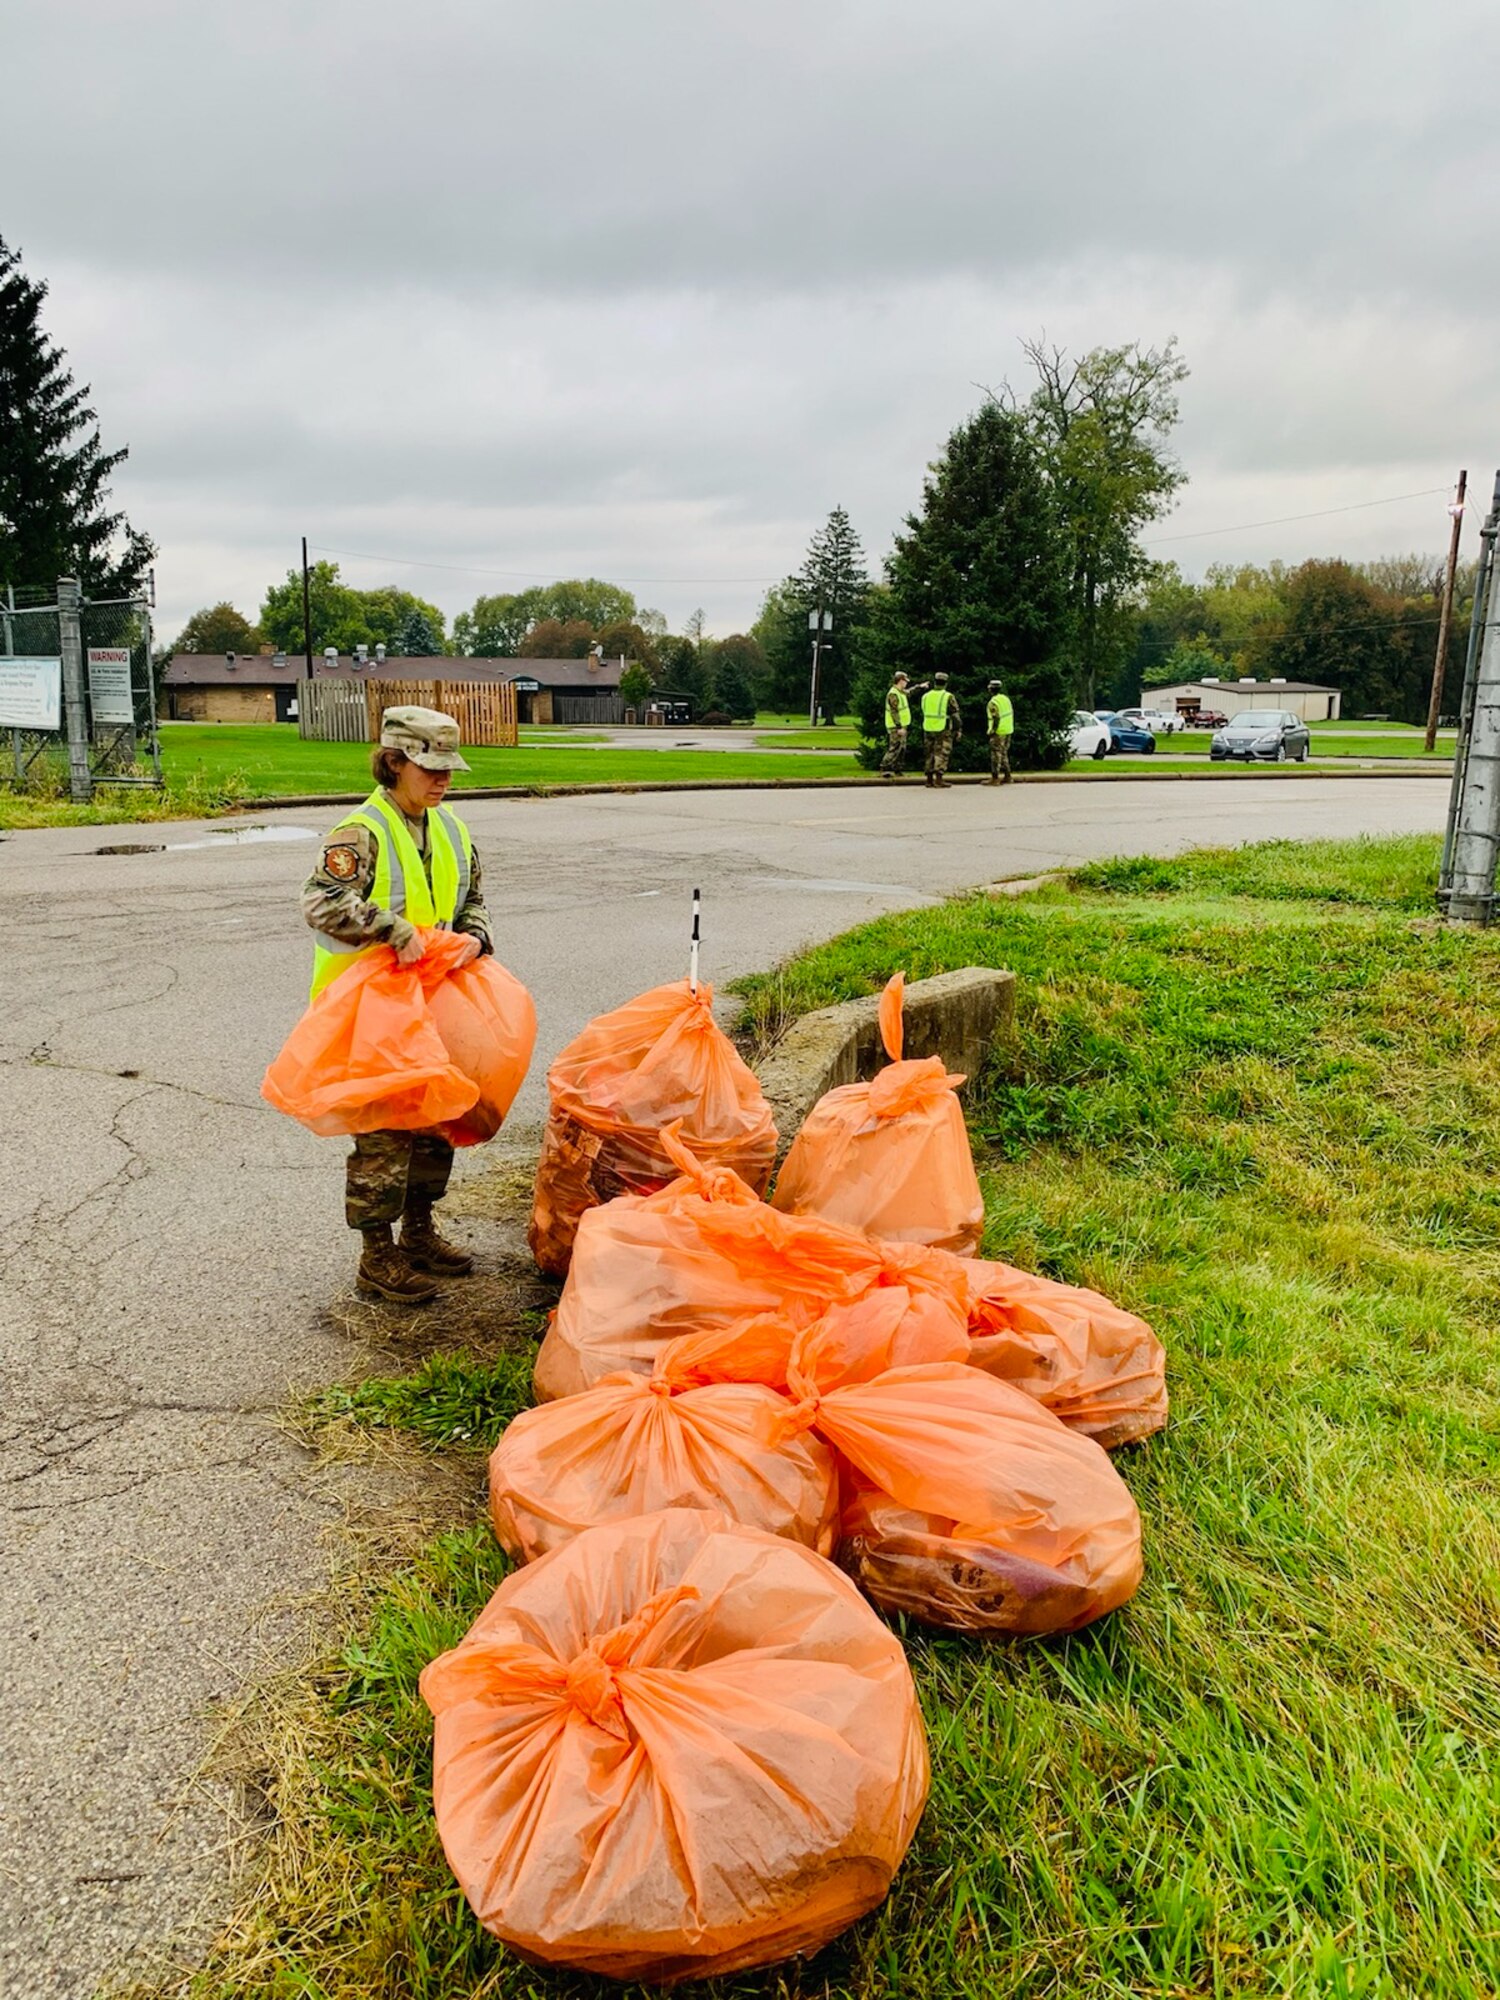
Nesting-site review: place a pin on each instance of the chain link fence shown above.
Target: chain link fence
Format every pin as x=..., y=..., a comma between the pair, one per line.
x=77, y=692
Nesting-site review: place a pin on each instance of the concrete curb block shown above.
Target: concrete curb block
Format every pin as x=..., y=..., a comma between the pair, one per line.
x=956, y=1016
x=1298, y=774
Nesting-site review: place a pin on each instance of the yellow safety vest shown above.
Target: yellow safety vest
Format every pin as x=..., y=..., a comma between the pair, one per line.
x=1002, y=715
x=401, y=883
x=935, y=710
x=903, y=707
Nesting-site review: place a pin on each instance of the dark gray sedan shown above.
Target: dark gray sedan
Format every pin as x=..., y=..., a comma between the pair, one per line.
x=1274, y=735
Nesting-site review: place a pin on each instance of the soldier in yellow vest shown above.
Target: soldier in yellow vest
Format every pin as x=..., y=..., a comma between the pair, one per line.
x=897, y=722
x=401, y=860
x=942, y=726
x=1000, y=723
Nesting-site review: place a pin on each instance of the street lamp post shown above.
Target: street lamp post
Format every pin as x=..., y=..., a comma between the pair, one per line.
x=818, y=622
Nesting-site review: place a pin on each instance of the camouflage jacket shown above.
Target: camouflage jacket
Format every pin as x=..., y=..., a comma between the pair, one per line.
x=335, y=897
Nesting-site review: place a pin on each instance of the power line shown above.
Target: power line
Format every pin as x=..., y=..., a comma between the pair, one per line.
x=1281, y=520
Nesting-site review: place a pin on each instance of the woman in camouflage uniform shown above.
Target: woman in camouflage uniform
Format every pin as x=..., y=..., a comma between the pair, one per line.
x=400, y=861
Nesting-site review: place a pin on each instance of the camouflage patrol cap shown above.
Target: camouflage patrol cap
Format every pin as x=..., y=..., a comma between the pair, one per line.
x=427, y=737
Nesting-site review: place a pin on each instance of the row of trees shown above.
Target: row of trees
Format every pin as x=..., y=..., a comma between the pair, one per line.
x=1368, y=629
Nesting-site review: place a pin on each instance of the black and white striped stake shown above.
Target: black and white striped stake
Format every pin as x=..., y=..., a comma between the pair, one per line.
x=693, y=954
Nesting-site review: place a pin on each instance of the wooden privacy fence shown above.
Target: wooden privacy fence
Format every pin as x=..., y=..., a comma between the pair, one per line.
x=348, y=711
x=332, y=712
x=485, y=711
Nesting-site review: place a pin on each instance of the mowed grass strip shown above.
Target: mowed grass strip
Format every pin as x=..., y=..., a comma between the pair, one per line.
x=1256, y=1096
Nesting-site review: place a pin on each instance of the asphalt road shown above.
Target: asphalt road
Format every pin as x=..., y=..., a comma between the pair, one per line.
x=169, y=1242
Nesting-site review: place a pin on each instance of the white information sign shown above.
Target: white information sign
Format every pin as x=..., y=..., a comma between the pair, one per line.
x=30, y=692
x=109, y=684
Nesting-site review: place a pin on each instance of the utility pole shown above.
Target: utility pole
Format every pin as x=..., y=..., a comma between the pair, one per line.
x=306, y=610
x=1467, y=883
x=819, y=622
x=1446, y=615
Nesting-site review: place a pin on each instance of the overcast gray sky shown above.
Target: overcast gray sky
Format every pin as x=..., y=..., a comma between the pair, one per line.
x=534, y=288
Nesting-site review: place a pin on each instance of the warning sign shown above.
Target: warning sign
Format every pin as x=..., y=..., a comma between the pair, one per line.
x=109, y=684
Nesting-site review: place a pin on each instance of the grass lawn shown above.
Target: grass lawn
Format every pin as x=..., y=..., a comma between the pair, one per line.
x=843, y=736
x=1255, y=1095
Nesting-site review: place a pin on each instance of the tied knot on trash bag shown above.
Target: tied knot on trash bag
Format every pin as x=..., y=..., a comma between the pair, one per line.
x=592, y=1690
x=911, y=1086
x=589, y=1684
x=715, y=1184
x=904, y=1086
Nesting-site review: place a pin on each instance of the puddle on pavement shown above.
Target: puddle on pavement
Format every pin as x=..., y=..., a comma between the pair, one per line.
x=246, y=836
x=227, y=836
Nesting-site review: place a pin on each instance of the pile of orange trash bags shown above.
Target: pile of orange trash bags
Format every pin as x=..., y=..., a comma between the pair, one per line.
x=892, y=1156
x=658, y=1060
x=675, y=1747
x=653, y=1757
x=429, y=1047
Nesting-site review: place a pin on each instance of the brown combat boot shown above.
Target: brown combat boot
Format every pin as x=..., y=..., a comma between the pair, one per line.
x=426, y=1249
x=385, y=1270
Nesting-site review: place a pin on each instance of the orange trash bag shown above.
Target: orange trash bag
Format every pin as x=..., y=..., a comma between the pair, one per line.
x=417, y=1048
x=674, y=1748
x=706, y=1254
x=890, y=1157
x=658, y=1059
x=1094, y=1365
x=981, y=1463
x=637, y=1444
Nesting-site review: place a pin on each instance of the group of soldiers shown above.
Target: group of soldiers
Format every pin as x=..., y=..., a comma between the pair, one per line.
x=942, y=726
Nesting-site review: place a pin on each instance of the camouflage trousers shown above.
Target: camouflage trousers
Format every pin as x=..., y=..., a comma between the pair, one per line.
x=895, y=751
x=937, y=748
x=389, y=1172
x=1000, y=757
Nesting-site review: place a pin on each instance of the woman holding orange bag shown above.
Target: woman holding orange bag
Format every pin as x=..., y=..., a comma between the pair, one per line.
x=402, y=861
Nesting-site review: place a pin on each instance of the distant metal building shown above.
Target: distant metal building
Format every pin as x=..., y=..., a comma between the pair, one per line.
x=1304, y=698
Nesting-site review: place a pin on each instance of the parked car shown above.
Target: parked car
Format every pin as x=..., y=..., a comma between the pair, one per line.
x=1157, y=720
x=1128, y=737
x=1270, y=735
x=1206, y=718
x=1088, y=737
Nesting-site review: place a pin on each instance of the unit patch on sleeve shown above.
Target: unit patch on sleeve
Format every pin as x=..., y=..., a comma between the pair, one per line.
x=342, y=863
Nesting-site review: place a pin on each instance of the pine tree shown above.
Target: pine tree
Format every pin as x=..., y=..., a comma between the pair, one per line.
x=54, y=473
x=833, y=578
x=733, y=692
x=416, y=638
x=978, y=590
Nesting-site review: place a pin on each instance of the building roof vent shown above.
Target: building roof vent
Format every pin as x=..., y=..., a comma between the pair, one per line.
x=229, y=660
x=331, y=653
x=380, y=654
x=278, y=660
x=1209, y=681
x=1247, y=680
x=1278, y=680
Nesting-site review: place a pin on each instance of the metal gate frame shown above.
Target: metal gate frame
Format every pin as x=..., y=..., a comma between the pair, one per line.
x=93, y=748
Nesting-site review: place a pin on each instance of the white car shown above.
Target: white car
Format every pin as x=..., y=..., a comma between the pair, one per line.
x=1088, y=736
x=1157, y=720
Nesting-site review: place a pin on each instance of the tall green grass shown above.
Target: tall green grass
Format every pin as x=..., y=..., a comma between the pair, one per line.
x=1256, y=1096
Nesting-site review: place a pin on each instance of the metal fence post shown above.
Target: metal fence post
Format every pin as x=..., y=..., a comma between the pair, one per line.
x=1458, y=796
x=1476, y=833
x=75, y=699
x=8, y=628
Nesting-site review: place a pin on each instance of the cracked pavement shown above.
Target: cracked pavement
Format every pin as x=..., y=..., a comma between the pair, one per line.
x=168, y=1244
